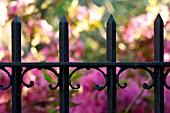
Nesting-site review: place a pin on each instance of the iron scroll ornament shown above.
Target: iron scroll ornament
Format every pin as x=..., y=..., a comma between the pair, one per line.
x=145, y=85
x=10, y=77
x=165, y=75
x=32, y=83
x=98, y=87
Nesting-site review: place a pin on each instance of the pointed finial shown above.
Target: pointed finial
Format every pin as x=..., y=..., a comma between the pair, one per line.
x=111, y=19
x=16, y=20
x=158, y=18
x=63, y=19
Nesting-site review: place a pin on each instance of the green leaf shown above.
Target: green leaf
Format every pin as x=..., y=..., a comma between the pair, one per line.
x=55, y=103
x=76, y=76
x=72, y=104
x=72, y=92
x=123, y=81
x=52, y=110
x=47, y=77
x=57, y=91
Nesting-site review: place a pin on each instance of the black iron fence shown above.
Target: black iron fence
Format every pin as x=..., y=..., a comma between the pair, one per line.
x=111, y=77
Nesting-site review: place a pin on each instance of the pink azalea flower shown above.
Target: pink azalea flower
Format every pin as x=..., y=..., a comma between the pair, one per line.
x=13, y=8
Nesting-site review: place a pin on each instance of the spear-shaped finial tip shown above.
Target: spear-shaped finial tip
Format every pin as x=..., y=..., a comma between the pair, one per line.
x=111, y=19
x=158, y=18
x=63, y=19
x=16, y=20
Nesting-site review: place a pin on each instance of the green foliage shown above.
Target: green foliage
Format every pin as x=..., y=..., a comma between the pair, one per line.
x=48, y=77
x=76, y=76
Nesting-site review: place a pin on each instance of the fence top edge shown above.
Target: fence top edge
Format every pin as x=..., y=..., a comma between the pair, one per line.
x=85, y=64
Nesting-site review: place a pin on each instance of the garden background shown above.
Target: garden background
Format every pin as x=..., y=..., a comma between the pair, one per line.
x=87, y=43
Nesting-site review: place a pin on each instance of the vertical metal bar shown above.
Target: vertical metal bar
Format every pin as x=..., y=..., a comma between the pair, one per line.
x=64, y=71
x=16, y=71
x=111, y=71
x=158, y=72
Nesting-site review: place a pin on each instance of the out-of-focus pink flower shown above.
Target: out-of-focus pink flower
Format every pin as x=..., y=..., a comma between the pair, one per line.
x=141, y=108
x=142, y=26
x=40, y=32
x=166, y=51
x=13, y=8
x=136, y=28
x=46, y=28
x=4, y=108
x=90, y=100
x=96, y=15
x=90, y=103
x=30, y=23
x=81, y=13
x=94, y=77
x=77, y=49
x=164, y=11
x=126, y=98
x=45, y=25
x=167, y=96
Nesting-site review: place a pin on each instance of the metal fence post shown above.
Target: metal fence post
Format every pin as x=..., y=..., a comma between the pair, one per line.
x=16, y=71
x=111, y=64
x=64, y=71
x=158, y=71
x=111, y=71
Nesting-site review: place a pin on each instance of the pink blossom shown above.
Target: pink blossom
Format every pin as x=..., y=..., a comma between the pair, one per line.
x=88, y=103
x=94, y=15
x=81, y=13
x=77, y=49
x=13, y=8
x=4, y=108
x=30, y=23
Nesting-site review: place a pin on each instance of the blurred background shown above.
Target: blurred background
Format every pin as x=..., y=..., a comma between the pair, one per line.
x=87, y=43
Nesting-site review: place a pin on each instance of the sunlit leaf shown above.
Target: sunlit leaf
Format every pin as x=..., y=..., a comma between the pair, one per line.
x=72, y=104
x=47, y=77
x=76, y=76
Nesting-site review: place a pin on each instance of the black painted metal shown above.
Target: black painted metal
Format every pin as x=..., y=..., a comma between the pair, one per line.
x=112, y=78
x=16, y=71
x=111, y=71
x=145, y=85
x=158, y=71
x=86, y=64
x=39, y=68
x=97, y=86
x=10, y=77
x=64, y=71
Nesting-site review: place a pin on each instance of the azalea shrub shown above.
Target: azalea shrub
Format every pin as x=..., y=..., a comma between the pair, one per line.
x=87, y=42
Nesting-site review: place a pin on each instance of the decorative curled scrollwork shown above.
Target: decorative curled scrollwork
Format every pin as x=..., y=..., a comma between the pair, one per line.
x=78, y=85
x=9, y=84
x=117, y=78
x=32, y=83
x=145, y=85
x=165, y=75
x=22, y=75
x=105, y=76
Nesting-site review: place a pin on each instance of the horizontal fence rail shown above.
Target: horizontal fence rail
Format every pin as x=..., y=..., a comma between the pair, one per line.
x=157, y=73
x=85, y=64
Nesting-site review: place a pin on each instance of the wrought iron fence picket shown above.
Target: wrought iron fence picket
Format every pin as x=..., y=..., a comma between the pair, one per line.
x=64, y=79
